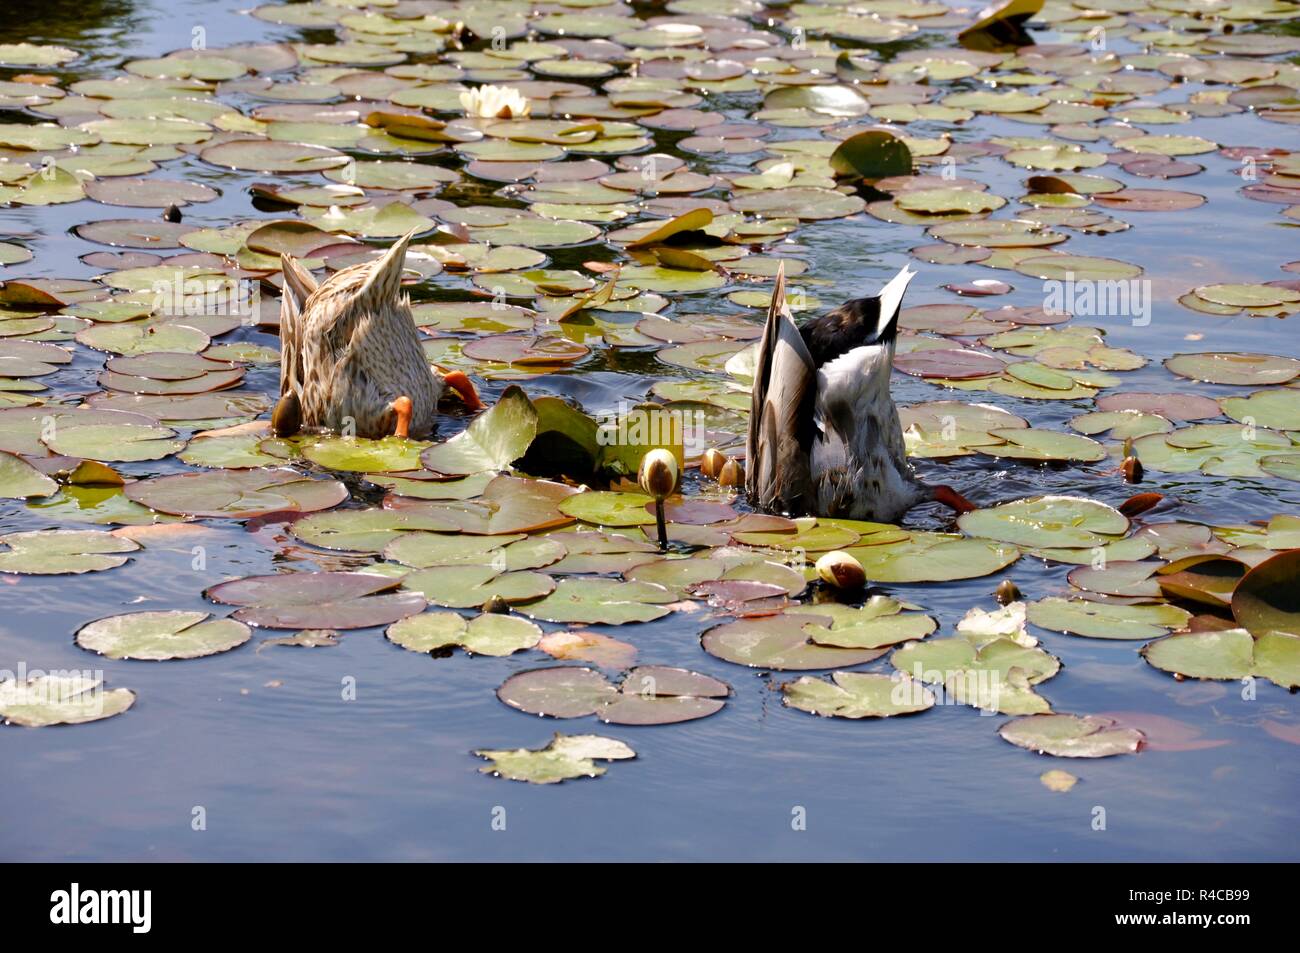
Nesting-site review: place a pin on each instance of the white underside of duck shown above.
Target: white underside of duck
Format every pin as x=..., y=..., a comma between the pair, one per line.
x=858, y=459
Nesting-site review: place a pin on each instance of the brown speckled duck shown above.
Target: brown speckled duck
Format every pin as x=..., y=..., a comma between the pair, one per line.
x=824, y=434
x=350, y=352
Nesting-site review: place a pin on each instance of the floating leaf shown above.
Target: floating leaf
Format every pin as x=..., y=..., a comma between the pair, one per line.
x=486, y=634
x=779, y=643
x=605, y=601
x=173, y=634
x=317, y=600
x=44, y=700
x=1267, y=599
x=1100, y=620
x=857, y=695
x=1071, y=736
x=1068, y=521
x=59, y=552
x=492, y=442
x=565, y=758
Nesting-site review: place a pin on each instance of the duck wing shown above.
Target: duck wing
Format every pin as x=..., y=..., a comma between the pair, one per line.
x=780, y=418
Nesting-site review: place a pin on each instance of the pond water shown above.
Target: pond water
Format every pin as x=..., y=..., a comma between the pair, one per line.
x=287, y=763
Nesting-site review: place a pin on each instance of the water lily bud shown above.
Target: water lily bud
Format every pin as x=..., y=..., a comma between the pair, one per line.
x=1132, y=470
x=712, y=462
x=658, y=476
x=731, y=474
x=1007, y=592
x=171, y=214
x=496, y=605
x=286, y=419
x=841, y=570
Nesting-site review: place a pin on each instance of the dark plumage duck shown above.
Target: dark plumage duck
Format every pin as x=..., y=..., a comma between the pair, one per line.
x=824, y=434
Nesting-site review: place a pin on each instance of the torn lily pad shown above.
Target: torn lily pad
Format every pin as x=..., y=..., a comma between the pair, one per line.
x=565, y=758
x=45, y=700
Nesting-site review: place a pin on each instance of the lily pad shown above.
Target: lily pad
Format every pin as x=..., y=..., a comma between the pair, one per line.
x=1072, y=736
x=492, y=442
x=1100, y=620
x=317, y=600
x=565, y=758
x=44, y=700
x=857, y=695
x=605, y=601
x=1064, y=521
x=174, y=634
x=486, y=634
x=61, y=551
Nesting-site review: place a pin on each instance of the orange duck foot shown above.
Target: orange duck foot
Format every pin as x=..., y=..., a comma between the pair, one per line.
x=464, y=388
x=951, y=498
x=401, y=407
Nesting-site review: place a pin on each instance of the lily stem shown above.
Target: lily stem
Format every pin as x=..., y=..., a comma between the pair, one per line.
x=663, y=526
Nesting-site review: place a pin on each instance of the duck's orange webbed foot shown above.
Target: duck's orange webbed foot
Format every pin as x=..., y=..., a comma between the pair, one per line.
x=402, y=408
x=464, y=388
x=951, y=498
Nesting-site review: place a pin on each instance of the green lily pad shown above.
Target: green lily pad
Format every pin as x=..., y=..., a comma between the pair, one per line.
x=1066, y=521
x=1072, y=736
x=1267, y=599
x=1030, y=444
x=492, y=442
x=61, y=551
x=1235, y=368
x=565, y=758
x=237, y=494
x=505, y=553
x=1229, y=654
x=561, y=692
x=119, y=442
x=857, y=695
x=997, y=676
x=19, y=479
x=369, y=530
x=1100, y=620
x=604, y=601
x=871, y=155
x=464, y=587
x=44, y=700
x=486, y=634
x=872, y=626
x=779, y=643
x=609, y=508
x=360, y=455
x=173, y=634
x=933, y=557
x=1278, y=408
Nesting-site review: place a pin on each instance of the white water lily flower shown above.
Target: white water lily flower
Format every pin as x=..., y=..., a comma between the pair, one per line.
x=495, y=102
x=1005, y=623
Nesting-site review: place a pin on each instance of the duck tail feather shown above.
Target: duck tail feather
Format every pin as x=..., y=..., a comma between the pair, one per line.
x=785, y=379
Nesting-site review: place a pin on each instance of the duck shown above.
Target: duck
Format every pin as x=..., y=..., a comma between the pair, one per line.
x=824, y=434
x=351, y=359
